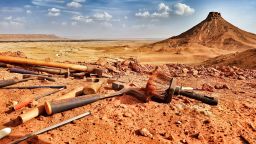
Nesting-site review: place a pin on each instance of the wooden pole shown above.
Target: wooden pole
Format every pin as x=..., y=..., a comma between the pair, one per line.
x=18, y=60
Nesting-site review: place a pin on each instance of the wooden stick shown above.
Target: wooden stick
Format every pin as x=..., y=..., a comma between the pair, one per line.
x=17, y=60
x=40, y=109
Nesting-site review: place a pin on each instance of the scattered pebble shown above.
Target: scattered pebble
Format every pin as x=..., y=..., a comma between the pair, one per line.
x=145, y=132
x=241, y=78
x=207, y=87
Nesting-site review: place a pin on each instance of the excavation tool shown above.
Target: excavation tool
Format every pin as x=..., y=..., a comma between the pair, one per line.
x=5, y=83
x=5, y=132
x=24, y=71
x=17, y=60
x=166, y=95
x=51, y=70
x=25, y=103
x=40, y=109
x=67, y=104
x=39, y=77
x=35, y=87
x=50, y=128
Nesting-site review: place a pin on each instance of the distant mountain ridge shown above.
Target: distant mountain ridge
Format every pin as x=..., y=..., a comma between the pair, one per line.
x=20, y=37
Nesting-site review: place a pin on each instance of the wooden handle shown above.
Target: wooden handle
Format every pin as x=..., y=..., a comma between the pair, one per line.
x=18, y=60
x=93, y=87
x=67, y=104
x=40, y=109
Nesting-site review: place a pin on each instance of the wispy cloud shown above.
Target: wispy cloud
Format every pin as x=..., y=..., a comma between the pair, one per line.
x=54, y=12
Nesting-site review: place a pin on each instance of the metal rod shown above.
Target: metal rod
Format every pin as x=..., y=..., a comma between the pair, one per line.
x=34, y=87
x=50, y=128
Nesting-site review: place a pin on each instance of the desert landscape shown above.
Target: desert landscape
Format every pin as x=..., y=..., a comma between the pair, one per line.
x=215, y=58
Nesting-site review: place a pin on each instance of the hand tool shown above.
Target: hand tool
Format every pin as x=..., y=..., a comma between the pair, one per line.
x=165, y=96
x=51, y=70
x=4, y=83
x=25, y=103
x=40, y=109
x=93, y=88
x=50, y=127
x=35, y=87
x=24, y=71
x=39, y=77
x=67, y=104
x=17, y=60
x=5, y=132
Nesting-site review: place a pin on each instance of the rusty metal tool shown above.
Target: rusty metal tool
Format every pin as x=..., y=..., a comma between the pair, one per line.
x=67, y=104
x=35, y=87
x=25, y=103
x=39, y=77
x=5, y=83
x=166, y=95
x=50, y=127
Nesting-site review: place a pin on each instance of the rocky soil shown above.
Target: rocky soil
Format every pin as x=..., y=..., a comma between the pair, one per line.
x=125, y=119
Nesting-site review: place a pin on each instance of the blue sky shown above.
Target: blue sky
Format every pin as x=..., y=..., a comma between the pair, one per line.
x=119, y=18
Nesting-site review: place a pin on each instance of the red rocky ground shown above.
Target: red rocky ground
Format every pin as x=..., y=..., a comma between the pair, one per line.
x=124, y=119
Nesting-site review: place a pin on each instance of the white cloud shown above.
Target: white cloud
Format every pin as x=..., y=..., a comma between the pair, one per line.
x=8, y=18
x=103, y=16
x=28, y=11
x=143, y=14
x=13, y=22
x=80, y=18
x=183, y=9
x=107, y=24
x=80, y=1
x=125, y=17
x=163, y=11
x=74, y=4
x=64, y=23
x=163, y=7
x=54, y=12
x=73, y=23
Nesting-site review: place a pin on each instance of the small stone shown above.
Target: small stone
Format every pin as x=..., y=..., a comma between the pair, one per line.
x=178, y=122
x=183, y=141
x=127, y=114
x=241, y=78
x=221, y=86
x=194, y=72
x=197, y=136
x=207, y=87
x=33, y=104
x=145, y=132
x=13, y=103
x=186, y=132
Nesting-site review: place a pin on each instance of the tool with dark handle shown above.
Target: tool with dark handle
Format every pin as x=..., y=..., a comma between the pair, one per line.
x=50, y=128
x=35, y=87
x=22, y=71
x=4, y=83
x=67, y=104
x=199, y=97
x=25, y=103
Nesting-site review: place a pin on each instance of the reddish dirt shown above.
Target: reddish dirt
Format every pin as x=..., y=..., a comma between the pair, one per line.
x=119, y=119
x=213, y=32
x=245, y=59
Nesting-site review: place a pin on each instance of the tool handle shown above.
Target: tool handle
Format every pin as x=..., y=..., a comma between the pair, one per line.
x=67, y=104
x=22, y=105
x=21, y=71
x=4, y=83
x=203, y=98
